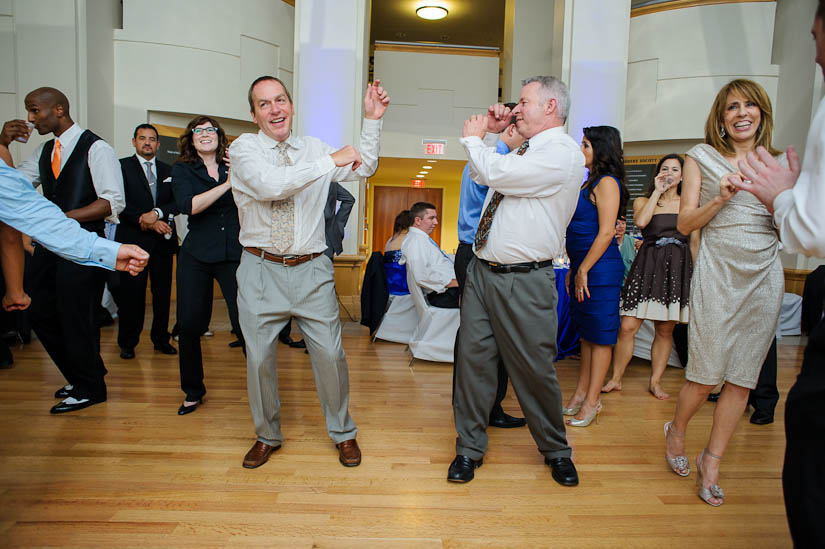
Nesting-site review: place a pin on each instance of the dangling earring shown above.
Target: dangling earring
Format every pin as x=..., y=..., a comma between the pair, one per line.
x=722, y=131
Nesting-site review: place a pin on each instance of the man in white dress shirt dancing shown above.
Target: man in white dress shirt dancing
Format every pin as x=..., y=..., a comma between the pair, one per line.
x=280, y=184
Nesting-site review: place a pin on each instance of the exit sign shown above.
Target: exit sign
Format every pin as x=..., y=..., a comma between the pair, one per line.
x=419, y=183
x=433, y=147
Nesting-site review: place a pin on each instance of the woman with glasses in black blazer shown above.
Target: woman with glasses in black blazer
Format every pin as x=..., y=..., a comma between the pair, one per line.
x=211, y=249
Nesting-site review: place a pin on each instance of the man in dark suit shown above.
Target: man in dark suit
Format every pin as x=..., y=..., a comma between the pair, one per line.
x=146, y=221
x=334, y=224
x=336, y=221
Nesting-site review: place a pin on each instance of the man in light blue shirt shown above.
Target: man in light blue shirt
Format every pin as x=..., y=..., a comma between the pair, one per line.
x=24, y=210
x=470, y=204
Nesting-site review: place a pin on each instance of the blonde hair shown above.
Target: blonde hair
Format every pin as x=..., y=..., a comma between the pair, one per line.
x=751, y=91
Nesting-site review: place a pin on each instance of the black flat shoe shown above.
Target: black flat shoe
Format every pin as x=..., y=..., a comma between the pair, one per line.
x=297, y=344
x=506, y=421
x=166, y=348
x=74, y=405
x=714, y=397
x=184, y=409
x=127, y=353
x=564, y=472
x=461, y=469
x=761, y=417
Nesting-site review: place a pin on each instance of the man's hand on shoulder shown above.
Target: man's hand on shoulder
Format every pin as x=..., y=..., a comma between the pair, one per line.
x=375, y=101
x=131, y=259
x=346, y=156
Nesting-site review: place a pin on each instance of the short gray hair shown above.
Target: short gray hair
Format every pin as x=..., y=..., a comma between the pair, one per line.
x=553, y=88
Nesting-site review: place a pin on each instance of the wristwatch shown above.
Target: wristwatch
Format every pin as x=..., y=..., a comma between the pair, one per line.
x=159, y=212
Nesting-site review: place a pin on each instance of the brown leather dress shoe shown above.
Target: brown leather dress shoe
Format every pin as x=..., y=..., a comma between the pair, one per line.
x=348, y=453
x=258, y=454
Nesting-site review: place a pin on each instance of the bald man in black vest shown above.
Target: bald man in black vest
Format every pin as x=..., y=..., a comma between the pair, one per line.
x=81, y=174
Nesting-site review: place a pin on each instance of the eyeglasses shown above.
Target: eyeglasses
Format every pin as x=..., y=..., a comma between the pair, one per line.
x=210, y=129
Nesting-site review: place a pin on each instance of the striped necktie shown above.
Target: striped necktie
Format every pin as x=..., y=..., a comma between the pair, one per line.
x=486, y=221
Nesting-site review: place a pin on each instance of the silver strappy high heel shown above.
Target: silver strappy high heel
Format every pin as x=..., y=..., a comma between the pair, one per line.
x=714, y=491
x=680, y=464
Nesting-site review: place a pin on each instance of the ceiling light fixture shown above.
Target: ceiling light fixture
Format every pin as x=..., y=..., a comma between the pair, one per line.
x=426, y=167
x=431, y=13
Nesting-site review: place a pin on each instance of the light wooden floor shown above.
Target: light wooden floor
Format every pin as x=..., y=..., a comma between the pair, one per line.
x=130, y=472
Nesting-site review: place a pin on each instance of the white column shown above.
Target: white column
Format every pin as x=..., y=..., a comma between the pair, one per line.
x=331, y=55
x=597, y=57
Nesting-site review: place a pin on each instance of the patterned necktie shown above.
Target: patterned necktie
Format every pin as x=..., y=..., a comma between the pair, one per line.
x=153, y=182
x=487, y=218
x=283, y=211
x=56, y=158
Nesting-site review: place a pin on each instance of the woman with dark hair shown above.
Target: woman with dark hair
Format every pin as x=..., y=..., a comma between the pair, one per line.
x=658, y=284
x=738, y=281
x=596, y=267
x=396, y=272
x=211, y=249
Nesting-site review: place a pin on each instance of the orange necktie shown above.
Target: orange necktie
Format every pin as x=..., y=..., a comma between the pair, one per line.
x=56, y=159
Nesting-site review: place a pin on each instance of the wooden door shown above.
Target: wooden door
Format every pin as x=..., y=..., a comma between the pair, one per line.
x=390, y=201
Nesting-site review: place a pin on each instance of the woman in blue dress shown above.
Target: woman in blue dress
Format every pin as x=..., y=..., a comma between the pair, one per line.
x=397, y=272
x=596, y=267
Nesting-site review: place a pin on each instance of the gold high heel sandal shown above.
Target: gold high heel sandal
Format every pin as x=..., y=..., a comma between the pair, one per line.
x=594, y=414
x=680, y=464
x=714, y=491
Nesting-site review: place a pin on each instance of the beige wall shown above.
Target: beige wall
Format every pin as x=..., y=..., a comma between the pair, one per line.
x=679, y=59
x=196, y=57
x=432, y=95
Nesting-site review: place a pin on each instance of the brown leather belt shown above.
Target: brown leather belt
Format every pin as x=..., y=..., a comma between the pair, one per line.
x=287, y=260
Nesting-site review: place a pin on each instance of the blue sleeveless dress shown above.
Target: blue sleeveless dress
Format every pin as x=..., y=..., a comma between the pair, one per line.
x=596, y=319
x=396, y=274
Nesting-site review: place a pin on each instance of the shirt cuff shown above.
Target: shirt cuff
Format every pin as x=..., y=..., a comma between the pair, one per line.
x=782, y=203
x=112, y=217
x=473, y=140
x=372, y=126
x=104, y=253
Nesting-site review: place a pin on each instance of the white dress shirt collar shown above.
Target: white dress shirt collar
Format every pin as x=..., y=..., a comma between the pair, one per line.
x=292, y=141
x=69, y=138
x=142, y=161
x=545, y=136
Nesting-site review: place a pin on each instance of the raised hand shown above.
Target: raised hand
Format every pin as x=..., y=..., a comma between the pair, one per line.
x=12, y=130
x=476, y=125
x=663, y=182
x=498, y=118
x=347, y=155
x=131, y=258
x=766, y=178
x=375, y=101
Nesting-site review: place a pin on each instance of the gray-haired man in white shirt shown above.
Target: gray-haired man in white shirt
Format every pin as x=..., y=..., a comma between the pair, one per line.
x=508, y=307
x=280, y=184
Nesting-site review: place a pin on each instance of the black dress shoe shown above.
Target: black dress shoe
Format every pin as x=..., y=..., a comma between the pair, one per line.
x=461, y=469
x=714, y=397
x=165, y=348
x=564, y=472
x=127, y=352
x=297, y=344
x=184, y=409
x=6, y=364
x=761, y=417
x=237, y=343
x=506, y=421
x=63, y=392
x=285, y=340
x=72, y=404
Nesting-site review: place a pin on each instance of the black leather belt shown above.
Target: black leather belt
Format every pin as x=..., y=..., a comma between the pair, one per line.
x=516, y=267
